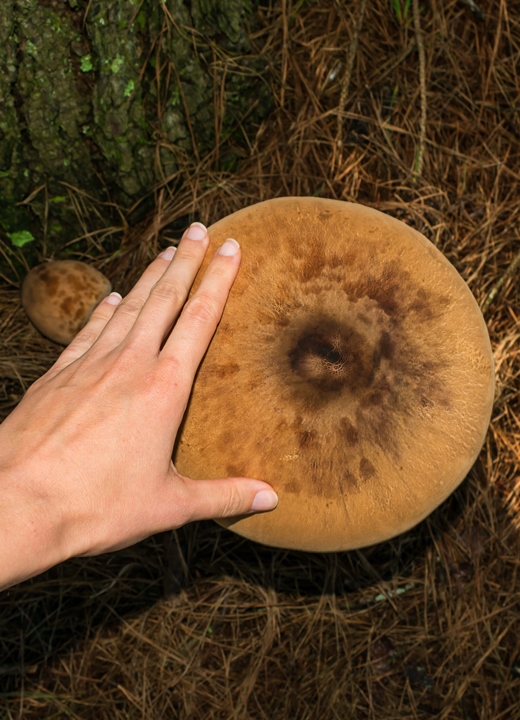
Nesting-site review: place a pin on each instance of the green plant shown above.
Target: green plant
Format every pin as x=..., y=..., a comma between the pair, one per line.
x=401, y=10
x=21, y=238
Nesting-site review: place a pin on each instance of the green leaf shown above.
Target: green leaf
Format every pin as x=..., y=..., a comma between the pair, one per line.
x=21, y=238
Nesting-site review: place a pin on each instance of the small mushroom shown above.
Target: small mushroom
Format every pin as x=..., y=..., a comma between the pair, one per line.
x=60, y=296
x=352, y=369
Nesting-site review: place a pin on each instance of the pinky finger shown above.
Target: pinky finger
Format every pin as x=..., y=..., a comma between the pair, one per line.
x=88, y=335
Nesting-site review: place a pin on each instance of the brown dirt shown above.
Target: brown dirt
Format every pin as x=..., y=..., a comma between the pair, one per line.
x=201, y=624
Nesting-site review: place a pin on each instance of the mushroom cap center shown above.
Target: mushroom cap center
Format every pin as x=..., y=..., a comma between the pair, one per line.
x=331, y=357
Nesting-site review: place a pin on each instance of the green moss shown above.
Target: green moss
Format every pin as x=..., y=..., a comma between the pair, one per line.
x=129, y=89
x=140, y=20
x=86, y=64
x=115, y=65
x=175, y=99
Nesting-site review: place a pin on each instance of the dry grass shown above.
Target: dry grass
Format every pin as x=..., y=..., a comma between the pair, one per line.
x=202, y=624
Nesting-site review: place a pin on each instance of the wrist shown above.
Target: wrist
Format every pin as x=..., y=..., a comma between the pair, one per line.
x=32, y=531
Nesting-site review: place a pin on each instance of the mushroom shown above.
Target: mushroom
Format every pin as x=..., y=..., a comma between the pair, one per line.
x=352, y=370
x=60, y=296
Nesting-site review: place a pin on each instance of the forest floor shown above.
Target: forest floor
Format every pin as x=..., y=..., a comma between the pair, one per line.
x=414, y=111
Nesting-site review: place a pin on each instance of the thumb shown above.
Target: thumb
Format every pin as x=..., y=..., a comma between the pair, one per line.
x=227, y=497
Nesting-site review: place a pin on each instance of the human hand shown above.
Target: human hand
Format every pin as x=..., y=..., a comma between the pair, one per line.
x=85, y=458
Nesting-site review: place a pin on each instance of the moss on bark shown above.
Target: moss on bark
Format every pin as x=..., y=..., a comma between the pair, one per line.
x=14, y=176
x=104, y=94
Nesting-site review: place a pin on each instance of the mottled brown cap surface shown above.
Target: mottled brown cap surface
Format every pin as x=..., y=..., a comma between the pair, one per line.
x=352, y=370
x=59, y=297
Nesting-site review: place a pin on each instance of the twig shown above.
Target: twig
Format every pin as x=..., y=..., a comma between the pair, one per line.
x=498, y=285
x=475, y=8
x=285, y=45
x=345, y=84
x=186, y=111
x=419, y=161
x=176, y=571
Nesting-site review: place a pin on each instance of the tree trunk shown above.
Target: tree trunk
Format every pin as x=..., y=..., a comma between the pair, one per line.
x=107, y=96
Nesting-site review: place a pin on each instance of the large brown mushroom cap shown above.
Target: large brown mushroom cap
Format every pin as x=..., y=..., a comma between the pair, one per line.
x=60, y=296
x=352, y=370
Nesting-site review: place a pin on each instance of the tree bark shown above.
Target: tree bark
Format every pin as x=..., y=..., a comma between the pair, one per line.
x=107, y=95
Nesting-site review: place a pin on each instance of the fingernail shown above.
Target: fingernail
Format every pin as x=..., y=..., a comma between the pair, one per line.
x=168, y=253
x=230, y=247
x=196, y=231
x=114, y=298
x=264, y=500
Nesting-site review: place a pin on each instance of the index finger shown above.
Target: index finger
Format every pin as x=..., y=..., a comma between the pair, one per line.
x=201, y=314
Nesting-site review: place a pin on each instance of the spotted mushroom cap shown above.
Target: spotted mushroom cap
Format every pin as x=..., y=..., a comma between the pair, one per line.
x=352, y=370
x=60, y=296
